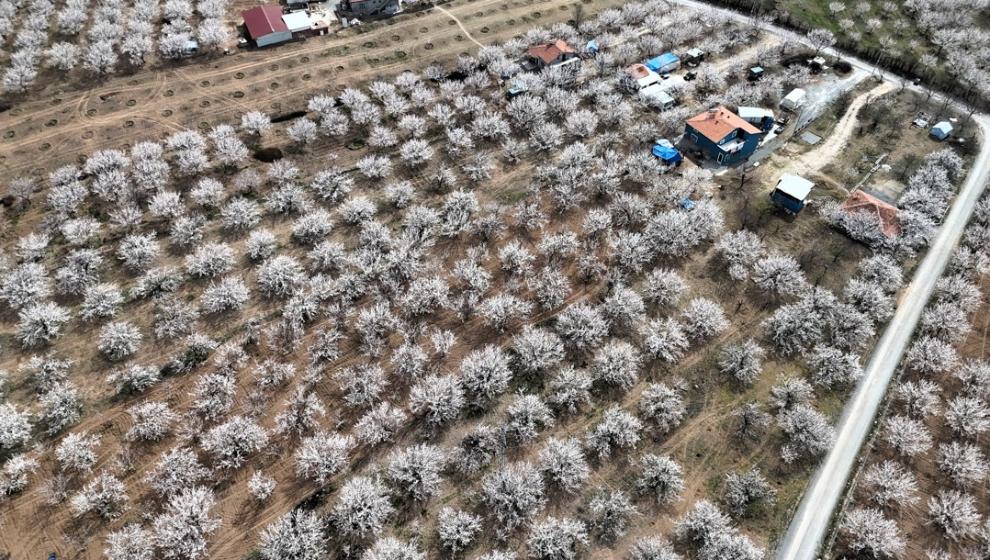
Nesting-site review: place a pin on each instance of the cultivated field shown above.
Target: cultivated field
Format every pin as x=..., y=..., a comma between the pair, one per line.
x=331, y=299
x=921, y=490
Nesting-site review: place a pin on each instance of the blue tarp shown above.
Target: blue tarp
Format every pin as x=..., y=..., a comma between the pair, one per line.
x=592, y=46
x=664, y=63
x=667, y=153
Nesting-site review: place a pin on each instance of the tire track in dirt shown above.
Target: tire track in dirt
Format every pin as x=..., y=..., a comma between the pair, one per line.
x=109, y=119
x=460, y=25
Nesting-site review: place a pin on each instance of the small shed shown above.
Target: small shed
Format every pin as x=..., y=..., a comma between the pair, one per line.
x=655, y=96
x=755, y=73
x=793, y=100
x=664, y=64
x=941, y=131
x=665, y=151
x=297, y=22
x=791, y=192
x=694, y=56
x=264, y=25
x=553, y=53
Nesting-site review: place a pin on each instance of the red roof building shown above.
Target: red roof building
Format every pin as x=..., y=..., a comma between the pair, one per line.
x=860, y=201
x=264, y=25
x=551, y=53
x=717, y=123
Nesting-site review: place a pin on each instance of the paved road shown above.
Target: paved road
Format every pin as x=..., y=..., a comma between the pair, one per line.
x=811, y=523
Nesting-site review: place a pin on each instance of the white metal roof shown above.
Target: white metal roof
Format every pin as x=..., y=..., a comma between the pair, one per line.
x=944, y=126
x=657, y=93
x=754, y=113
x=296, y=21
x=795, y=186
x=797, y=94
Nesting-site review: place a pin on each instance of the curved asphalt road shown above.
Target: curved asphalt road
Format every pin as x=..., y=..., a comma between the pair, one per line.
x=811, y=523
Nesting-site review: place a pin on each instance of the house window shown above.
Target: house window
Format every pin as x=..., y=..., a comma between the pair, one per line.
x=721, y=156
x=694, y=138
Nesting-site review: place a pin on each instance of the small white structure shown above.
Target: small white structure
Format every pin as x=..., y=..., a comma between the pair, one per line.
x=794, y=100
x=754, y=115
x=641, y=76
x=297, y=21
x=655, y=96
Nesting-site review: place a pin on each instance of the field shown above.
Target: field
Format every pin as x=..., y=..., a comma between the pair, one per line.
x=157, y=101
x=921, y=493
x=431, y=344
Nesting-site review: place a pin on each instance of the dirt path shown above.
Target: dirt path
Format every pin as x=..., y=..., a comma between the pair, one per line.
x=813, y=161
x=459, y=24
x=71, y=117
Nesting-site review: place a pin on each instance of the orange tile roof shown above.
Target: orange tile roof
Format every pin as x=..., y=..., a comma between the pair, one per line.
x=860, y=201
x=548, y=52
x=715, y=124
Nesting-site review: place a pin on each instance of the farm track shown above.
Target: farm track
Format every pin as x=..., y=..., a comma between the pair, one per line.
x=87, y=123
x=815, y=160
x=166, y=100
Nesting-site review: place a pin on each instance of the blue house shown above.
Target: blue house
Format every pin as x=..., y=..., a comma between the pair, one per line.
x=791, y=192
x=722, y=135
x=664, y=64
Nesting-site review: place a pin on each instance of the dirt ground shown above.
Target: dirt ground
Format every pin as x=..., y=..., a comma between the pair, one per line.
x=62, y=121
x=156, y=102
x=920, y=537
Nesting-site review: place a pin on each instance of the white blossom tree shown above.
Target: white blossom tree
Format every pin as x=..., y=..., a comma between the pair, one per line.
x=180, y=532
x=297, y=535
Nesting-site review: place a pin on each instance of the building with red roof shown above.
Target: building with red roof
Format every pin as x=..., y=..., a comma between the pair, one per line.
x=551, y=54
x=264, y=25
x=885, y=213
x=722, y=135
